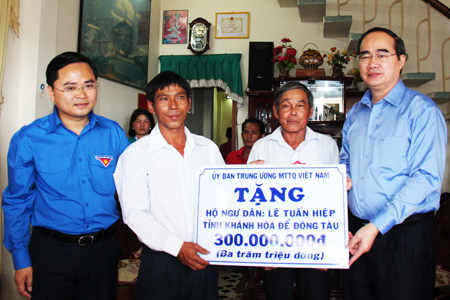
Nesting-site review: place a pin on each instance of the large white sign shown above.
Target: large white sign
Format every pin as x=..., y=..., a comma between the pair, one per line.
x=275, y=216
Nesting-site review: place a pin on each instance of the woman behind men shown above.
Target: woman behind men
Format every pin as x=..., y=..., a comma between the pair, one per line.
x=141, y=124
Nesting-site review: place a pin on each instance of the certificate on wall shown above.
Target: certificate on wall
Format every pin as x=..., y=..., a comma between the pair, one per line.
x=232, y=25
x=274, y=216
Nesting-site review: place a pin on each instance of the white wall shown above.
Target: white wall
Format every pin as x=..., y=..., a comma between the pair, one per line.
x=20, y=89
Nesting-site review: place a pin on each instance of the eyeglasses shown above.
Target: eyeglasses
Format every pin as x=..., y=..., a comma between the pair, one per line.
x=72, y=90
x=378, y=56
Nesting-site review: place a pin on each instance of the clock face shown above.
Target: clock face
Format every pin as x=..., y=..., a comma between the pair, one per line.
x=199, y=29
x=198, y=38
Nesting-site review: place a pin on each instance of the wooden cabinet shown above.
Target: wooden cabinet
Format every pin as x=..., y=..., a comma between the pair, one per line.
x=261, y=105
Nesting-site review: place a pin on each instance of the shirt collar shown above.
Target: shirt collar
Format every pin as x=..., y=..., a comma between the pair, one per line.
x=278, y=136
x=158, y=141
x=241, y=151
x=54, y=121
x=394, y=96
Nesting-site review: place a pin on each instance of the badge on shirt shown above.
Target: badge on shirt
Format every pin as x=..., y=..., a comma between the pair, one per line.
x=104, y=159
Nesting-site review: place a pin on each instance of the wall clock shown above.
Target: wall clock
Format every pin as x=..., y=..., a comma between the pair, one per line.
x=199, y=36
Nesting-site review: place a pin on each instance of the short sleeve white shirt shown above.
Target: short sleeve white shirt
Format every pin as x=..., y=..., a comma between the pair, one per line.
x=317, y=148
x=157, y=188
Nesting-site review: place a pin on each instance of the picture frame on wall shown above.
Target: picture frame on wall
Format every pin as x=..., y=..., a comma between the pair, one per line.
x=116, y=38
x=175, y=27
x=232, y=25
x=142, y=101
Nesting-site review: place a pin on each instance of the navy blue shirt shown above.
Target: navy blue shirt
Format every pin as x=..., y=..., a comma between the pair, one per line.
x=60, y=180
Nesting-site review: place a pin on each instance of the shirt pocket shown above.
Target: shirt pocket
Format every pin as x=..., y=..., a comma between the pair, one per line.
x=102, y=175
x=55, y=175
x=390, y=155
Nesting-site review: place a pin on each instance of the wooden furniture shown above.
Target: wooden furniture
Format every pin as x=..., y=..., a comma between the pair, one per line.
x=261, y=105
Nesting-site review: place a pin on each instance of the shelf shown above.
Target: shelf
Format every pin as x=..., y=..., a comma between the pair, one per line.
x=440, y=97
x=287, y=3
x=352, y=42
x=312, y=10
x=417, y=79
x=336, y=26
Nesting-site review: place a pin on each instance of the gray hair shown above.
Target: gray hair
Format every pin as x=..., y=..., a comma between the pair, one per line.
x=293, y=86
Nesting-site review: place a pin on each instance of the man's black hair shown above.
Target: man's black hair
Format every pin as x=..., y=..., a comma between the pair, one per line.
x=261, y=125
x=63, y=60
x=135, y=115
x=399, y=45
x=228, y=133
x=163, y=80
x=293, y=86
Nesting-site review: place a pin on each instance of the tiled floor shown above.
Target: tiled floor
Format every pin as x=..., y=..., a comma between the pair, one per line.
x=227, y=282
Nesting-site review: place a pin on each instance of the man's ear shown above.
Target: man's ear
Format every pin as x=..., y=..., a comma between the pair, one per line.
x=190, y=103
x=275, y=112
x=51, y=93
x=150, y=107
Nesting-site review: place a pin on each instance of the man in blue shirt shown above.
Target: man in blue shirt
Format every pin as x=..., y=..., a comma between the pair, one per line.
x=393, y=144
x=60, y=174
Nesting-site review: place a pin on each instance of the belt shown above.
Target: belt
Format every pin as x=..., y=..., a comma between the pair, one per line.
x=412, y=218
x=81, y=240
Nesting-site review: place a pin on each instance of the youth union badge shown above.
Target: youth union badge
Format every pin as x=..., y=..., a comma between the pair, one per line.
x=104, y=159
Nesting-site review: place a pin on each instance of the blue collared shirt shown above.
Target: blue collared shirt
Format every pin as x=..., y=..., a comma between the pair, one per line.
x=395, y=154
x=60, y=180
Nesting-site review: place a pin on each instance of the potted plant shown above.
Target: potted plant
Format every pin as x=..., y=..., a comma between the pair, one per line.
x=337, y=60
x=284, y=57
x=357, y=80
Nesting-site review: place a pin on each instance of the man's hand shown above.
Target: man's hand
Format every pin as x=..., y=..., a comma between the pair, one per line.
x=349, y=183
x=189, y=257
x=24, y=281
x=362, y=241
x=257, y=162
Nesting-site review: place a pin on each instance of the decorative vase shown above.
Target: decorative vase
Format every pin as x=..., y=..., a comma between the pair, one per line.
x=361, y=86
x=337, y=71
x=284, y=72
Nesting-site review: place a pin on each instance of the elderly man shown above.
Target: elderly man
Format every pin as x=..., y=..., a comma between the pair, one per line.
x=156, y=181
x=393, y=144
x=294, y=142
x=60, y=180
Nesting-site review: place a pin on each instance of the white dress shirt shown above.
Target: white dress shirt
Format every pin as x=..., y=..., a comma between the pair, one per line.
x=157, y=188
x=317, y=148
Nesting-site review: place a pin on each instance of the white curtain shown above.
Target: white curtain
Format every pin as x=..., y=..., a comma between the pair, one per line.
x=9, y=15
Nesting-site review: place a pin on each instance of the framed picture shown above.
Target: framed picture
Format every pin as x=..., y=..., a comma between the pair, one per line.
x=232, y=25
x=142, y=101
x=116, y=38
x=175, y=27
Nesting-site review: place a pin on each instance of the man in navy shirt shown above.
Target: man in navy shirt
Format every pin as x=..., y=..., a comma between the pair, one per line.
x=60, y=174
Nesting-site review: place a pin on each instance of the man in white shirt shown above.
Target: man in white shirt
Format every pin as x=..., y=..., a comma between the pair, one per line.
x=295, y=143
x=156, y=180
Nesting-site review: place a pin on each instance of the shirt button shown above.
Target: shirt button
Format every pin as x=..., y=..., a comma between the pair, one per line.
x=87, y=204
x=362, y=177
x=87, y=226
x=80, y=159
x=83, y=181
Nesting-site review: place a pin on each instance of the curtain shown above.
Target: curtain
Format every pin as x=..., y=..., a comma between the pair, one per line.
x=4, y=22
x=14, y=16
x=9, y=15
x=217, y=70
